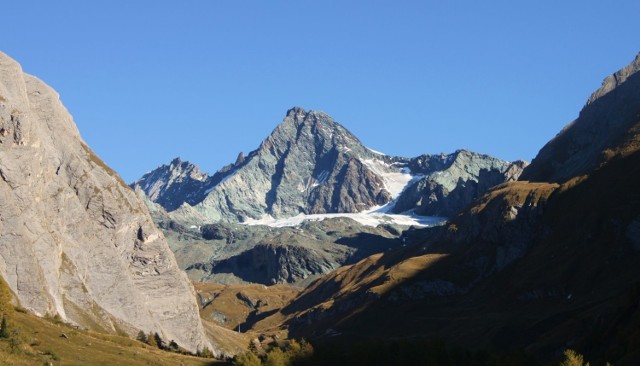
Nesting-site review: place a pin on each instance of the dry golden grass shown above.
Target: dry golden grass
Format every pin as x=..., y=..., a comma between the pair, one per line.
x=41, y=341
x=228, y=341
x=515, y=194
x=406, y=270
x=375, y=275
x=225, y=300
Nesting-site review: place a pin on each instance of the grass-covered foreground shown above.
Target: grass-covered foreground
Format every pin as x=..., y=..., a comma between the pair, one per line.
x=26, y=339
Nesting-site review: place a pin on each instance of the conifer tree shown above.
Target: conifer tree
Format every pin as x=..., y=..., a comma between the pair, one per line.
x=206, y=353
x=4, y=329
x=573, y=358
x=159, y=340
x=142, y=337
x=151, y=340
x=173, y=346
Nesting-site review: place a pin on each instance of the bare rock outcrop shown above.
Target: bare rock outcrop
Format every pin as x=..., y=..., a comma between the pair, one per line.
x=452, y=182
x=74, y=239
x=605, y=128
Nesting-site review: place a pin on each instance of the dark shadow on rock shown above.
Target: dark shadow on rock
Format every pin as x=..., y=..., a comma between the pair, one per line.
x=367, y=244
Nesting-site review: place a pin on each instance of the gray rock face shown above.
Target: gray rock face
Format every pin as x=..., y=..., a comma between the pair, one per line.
x=74, y=239
x=616, y=79
x=453, y=181
x=171, y=185
x=602, y=130
x=273, y=263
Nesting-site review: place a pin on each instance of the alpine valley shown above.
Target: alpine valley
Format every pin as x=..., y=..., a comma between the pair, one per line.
x=443, y=259
x=310, y=199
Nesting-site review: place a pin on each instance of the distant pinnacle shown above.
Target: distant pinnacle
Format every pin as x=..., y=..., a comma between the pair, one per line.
x=240, y=158
x=295, y=111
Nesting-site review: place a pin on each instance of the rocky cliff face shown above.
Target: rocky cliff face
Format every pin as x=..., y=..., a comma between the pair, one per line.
x=74, y=239
x=236, y=253
x=452, y=182
x=604, y=129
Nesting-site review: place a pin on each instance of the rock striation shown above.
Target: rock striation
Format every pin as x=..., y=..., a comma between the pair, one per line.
x=75, y=240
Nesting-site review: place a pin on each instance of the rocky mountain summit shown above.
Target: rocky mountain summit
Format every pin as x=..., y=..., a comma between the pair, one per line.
x=171, y=185
x=75, y=240
x=311, y=164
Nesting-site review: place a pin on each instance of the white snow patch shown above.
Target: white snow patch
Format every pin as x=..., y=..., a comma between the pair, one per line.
x=394, y=181
x=387, y=208
x=367, y=218
x=376, y=152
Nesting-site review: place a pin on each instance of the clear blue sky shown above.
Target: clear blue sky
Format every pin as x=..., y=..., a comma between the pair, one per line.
x=147, y=81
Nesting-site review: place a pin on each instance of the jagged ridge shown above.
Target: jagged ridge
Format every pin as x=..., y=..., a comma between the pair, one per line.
x=604, y=129
x=311, y=164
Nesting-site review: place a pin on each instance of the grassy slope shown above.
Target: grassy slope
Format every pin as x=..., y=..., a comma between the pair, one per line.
x=228, y=301
x=228, y=341
x=37, y=341
x=41, y=339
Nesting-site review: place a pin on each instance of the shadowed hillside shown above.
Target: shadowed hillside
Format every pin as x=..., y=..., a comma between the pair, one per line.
x=538, y=267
